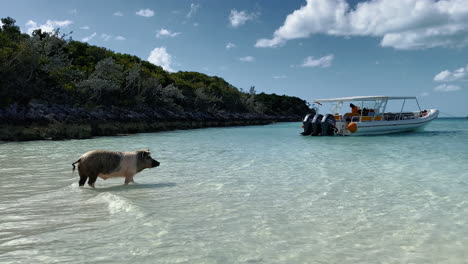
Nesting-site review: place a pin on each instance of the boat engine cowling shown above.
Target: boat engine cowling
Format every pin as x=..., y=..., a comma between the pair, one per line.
x=328, y=125
x=316, y=125
x=307, y=124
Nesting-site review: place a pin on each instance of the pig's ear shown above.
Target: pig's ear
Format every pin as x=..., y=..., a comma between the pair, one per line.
x=144, y=152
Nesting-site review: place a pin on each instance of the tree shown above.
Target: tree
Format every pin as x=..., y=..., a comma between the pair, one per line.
x=48, y=67
x=252, y=90
x=10, y=29
x=19, y=62
x=206, y=102
x=104, y=83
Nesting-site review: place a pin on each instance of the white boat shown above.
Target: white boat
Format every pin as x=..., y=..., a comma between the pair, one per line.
x=368, y=118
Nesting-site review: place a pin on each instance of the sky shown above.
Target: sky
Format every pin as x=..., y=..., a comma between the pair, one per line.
x=307, y=48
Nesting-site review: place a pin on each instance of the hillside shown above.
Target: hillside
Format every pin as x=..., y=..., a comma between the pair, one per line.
x=50, y=80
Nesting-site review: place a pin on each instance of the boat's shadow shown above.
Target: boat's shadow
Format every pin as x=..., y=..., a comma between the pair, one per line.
x=424, y=134
x=136, y=186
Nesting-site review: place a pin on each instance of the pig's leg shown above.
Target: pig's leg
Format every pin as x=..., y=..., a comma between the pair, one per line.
x=83, y=176
x=128, y=179
x=92, y=180
x=83, y=179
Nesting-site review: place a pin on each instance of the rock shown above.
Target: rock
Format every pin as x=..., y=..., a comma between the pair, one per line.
x=54, y=121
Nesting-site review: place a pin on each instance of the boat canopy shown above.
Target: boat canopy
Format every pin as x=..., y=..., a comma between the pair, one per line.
x=364, y=98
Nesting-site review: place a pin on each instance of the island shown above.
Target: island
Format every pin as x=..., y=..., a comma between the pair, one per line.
x=53, y=87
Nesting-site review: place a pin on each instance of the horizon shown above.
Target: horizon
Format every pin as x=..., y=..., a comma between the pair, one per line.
x=295, y=48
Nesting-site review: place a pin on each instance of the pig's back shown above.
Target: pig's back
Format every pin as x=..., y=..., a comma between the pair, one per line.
x=101, y=161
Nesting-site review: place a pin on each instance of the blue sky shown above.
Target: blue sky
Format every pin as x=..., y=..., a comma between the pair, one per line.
x=311, y=49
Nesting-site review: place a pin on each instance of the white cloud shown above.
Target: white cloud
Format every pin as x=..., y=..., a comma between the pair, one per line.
x=193, y=10
x=274, y=42
x=145, y=12
x=247, y=59
x=196, y=24
x=118, y=13
x=49, y=26
x=105, y=37
x=449, y=76
x=88, y=38
x=424, y=94
x=446, y=88
x=237, y=18
x=279, y=77
x=230, y=45
x=120, y=38
x=160, y=57
x=324, y=62
x=73, y=12
x=85, y=27
x=166, y=33
x=401, y=24
x=442, y=76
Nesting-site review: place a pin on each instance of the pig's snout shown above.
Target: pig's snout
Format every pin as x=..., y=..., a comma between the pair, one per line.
x=155, y=163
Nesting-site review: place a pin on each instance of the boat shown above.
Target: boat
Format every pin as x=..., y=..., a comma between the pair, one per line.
x=368, y=116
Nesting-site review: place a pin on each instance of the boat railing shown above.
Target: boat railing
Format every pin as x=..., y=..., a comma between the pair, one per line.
x=399, y=116
x=348, y=117
x=354, y=117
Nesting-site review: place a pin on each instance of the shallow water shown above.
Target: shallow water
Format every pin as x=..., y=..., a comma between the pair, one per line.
x=260, y=194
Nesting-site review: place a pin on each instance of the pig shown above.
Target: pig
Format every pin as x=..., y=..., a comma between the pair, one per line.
x=110, y=164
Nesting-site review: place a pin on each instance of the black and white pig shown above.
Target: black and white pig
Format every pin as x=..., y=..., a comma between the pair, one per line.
x=110, y=164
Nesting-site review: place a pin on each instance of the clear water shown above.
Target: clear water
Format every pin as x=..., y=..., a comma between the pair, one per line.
x=260, y=194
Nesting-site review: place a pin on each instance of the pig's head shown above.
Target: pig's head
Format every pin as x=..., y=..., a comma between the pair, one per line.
x=145, y=161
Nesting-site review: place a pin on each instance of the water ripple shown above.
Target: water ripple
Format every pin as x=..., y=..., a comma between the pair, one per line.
x=243, y=195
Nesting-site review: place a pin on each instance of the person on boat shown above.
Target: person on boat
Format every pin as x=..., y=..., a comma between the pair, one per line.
x=365, y=112
x=354, y=109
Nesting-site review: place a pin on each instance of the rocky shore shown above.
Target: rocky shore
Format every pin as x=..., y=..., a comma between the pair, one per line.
x=56, y=122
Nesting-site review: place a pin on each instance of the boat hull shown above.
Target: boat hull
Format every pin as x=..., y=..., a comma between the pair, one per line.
x=397, y=126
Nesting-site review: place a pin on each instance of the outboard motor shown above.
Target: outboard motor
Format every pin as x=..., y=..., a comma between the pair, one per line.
x=328, y=125
x=307, y=124
x=316, y=125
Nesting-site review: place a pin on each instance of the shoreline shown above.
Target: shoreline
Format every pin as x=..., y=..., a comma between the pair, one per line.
x=62, y=131
x=61, y=122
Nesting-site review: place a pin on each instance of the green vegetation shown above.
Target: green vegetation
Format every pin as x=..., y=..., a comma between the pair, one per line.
x=48, y=68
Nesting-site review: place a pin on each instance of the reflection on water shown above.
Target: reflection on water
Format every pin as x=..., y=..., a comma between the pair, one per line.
x=424, y=134
x=133, y=186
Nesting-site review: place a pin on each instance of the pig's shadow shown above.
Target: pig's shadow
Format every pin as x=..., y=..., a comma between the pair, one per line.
x=136, y=186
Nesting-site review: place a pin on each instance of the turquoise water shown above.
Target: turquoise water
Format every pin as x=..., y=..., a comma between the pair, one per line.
x=260, y=194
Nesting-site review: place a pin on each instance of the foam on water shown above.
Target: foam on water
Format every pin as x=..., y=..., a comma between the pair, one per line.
x=116, y=204
x=243, y=195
